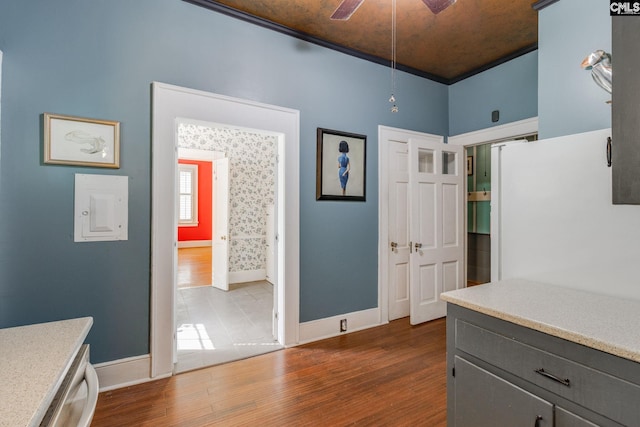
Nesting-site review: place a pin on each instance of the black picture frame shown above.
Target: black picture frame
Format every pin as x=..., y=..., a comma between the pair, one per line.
x=330, y=161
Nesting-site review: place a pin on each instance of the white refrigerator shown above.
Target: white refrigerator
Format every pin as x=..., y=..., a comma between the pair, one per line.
x=553, y=220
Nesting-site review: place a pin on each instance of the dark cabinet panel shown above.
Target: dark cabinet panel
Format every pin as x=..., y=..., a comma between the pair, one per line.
x=486, y=400
x=565, y=418
x=503, y=374
x=583, y=385
x=626, y=110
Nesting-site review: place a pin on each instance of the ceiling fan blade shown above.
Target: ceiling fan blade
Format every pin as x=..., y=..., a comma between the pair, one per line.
x=438, y=6
x=346, y=9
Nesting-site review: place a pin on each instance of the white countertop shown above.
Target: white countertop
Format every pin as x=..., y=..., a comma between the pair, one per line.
x=33, y=362
x=602, y=322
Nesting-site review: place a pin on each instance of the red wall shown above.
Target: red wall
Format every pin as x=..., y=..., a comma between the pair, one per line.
x=205, y=191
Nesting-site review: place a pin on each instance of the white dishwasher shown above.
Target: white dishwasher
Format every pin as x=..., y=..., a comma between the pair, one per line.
x=75, y=401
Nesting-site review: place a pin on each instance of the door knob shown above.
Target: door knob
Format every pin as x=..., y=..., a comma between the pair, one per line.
x=394, y=245
x=418, y=246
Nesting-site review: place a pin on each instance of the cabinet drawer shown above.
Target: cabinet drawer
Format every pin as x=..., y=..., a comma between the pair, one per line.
x=504, y=405
x=595, y=390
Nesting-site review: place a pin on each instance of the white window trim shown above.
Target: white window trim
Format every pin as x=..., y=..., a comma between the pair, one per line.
x=193, y=169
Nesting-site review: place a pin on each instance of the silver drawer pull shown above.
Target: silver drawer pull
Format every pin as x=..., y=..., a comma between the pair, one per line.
x=564, y=382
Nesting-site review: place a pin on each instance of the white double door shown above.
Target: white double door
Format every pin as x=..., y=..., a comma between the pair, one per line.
x=425, y=226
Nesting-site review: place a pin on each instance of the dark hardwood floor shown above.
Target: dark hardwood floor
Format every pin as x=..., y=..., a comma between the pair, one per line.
x=392, y=375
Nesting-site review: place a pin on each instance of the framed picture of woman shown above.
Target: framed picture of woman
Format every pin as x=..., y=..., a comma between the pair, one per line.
x=340, y=166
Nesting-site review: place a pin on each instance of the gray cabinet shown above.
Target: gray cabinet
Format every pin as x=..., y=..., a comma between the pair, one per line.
x=565, y=418
x=625, y=106
x=486, y=400
x=502, y=374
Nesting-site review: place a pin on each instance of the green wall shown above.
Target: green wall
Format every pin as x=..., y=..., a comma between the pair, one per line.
x=478, y=217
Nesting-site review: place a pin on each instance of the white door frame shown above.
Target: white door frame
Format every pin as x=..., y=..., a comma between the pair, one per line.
x=168, y=104
x=494, y=134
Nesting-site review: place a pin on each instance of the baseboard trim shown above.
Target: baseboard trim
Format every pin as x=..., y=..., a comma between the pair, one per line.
x=247, y=276
x=124, y=372
x=137, y=370
x=330, y=327
x=194, y=243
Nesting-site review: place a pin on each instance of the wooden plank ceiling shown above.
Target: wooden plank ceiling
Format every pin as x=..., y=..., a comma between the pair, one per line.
x=467, y=37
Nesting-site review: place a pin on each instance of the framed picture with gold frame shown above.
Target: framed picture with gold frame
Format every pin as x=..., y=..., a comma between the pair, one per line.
x=80, y=141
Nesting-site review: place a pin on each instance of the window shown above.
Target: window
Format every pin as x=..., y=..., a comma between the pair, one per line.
x=188, y=195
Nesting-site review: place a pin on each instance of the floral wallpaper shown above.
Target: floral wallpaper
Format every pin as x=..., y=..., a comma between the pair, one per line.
x=252, y=165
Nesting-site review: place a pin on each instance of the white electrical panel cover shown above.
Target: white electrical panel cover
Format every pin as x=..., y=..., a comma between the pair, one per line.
x=101, y=208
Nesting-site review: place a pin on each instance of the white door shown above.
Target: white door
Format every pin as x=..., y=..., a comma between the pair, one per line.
x=398, y=229
x=271, y=245
x=436, y=182
x=220, y=246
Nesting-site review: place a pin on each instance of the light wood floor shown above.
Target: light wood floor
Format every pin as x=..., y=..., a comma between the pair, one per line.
x=194, y=267
x=392, y=375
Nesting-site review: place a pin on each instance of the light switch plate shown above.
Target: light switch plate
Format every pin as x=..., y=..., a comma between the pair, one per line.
x=101, y=208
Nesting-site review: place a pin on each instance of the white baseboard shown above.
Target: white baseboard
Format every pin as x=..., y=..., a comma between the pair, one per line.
x=330, y=327
x=247, y=276
x=194, y=243
x=124, y=372
x=136, y=370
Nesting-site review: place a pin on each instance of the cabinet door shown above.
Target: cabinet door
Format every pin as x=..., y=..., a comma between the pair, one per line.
x=565, y=418
x=625, y=109
x=483, y=399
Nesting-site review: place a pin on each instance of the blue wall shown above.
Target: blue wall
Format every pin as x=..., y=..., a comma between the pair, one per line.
x=569, y=100
x=511, y=88
x=548, y=83
x=97, y=59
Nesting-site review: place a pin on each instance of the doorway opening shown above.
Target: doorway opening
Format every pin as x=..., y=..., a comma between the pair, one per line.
x=478, y=214
x=479, y=202
x=170, y=104
x=481, y=239
x=227, y=210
